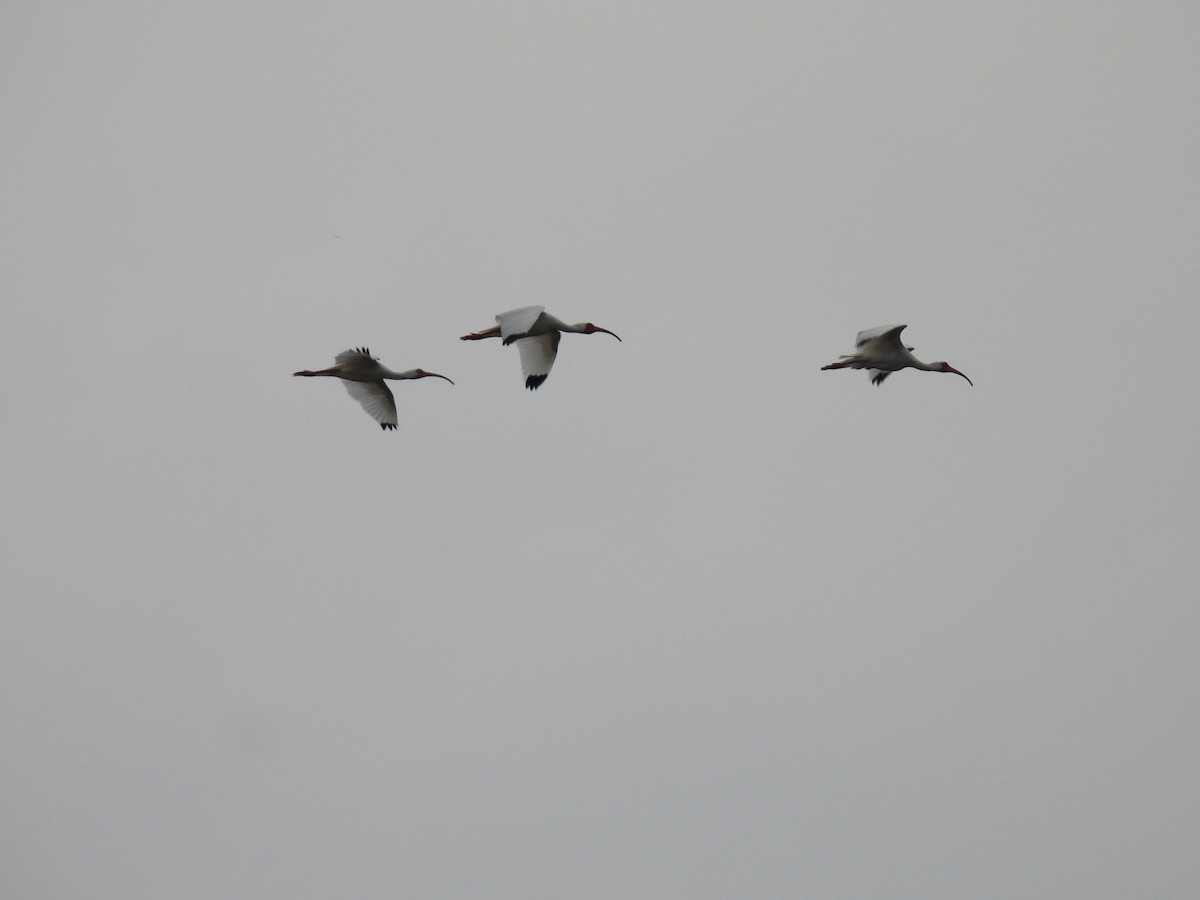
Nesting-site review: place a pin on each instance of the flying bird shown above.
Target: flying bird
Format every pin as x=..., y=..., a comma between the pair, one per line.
x=363, y=375
x=536, y=334
x=881, y=352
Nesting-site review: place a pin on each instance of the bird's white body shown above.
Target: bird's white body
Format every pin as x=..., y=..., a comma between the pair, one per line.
x=363, y=376
x=536, y=334
x=881, y=352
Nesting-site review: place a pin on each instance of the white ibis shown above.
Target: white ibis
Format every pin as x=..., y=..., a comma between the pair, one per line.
x=536, y=334
x=363, y=375
x=881, y=352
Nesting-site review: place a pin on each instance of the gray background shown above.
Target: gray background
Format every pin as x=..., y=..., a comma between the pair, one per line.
x=695, y=620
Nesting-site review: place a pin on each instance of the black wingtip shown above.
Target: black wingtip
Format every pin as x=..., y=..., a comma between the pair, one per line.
x=387, y=426
x=533, y=382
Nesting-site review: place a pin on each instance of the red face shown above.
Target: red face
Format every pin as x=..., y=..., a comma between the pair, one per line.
x=946, y=367
x=592, y=329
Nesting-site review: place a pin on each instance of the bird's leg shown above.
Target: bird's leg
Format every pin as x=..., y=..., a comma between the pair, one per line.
x=843, y=363
x=309, y=374
x=480, y=335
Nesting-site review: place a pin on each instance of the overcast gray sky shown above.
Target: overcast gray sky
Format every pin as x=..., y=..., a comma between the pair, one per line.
x=695, y=620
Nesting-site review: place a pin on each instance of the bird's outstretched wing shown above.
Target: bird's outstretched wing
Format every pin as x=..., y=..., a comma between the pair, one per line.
x=886, y=332
x=537, y=357
x=376, y=398
x=355, y=354
x=517, y=322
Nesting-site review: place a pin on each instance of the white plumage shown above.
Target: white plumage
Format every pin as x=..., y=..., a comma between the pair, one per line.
x=881, y=352
x=363, y=375
x=536, y=334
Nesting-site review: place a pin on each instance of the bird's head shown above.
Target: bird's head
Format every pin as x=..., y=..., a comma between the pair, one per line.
x=589, y=328
x=421, y=373
x=946, y=367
